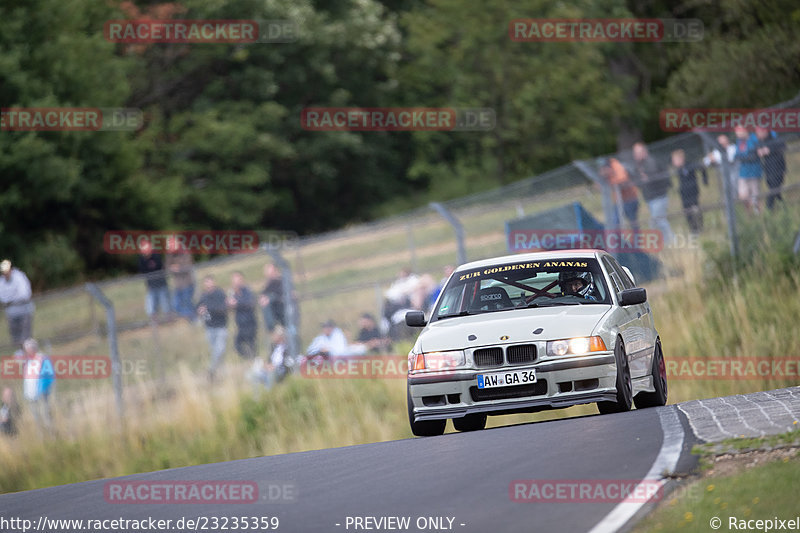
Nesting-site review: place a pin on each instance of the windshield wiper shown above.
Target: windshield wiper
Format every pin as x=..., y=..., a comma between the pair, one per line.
x=462, y=313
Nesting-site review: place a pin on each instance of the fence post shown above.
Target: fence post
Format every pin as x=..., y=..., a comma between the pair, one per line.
x=457, y=227
x=111, y=323
x=290, y=310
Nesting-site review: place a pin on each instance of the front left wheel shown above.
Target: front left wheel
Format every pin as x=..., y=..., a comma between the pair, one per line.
x=623, y=384
x=424, y=428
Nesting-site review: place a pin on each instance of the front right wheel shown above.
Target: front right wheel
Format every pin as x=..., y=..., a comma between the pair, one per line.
x=659, y=372
x=624, y=385
x=423, y=428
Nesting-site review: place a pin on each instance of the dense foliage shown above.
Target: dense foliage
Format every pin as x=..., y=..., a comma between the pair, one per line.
x=223, y=148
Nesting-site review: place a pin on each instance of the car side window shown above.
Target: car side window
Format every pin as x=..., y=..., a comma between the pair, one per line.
x=627, y=283
x=613, y=274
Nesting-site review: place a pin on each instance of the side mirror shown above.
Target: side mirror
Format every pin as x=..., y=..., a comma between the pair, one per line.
x=631, y=297
x=416, y=319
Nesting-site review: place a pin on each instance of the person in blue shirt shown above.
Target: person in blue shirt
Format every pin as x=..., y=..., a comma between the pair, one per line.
x=38, y=382
x=749, y=169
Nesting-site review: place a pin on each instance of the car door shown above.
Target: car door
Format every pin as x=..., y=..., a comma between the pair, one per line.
x=645, y=315
x=629, y=320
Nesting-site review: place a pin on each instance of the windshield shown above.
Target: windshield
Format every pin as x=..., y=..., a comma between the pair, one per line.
x=523, y=285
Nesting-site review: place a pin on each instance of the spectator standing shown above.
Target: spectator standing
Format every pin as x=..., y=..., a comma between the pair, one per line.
x=38, y=382
x=271, y=298
x=654, y=184
x=749, y=168
x=9, y=413
x=152, y=266
x=213, y=311
x=689, y=189
x=180, y=267
x=243, y=302
x=715, y=156
x=771, y=149
x=15, y=296
x=625, y=193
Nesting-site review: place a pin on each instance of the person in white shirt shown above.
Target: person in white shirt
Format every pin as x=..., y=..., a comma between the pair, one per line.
x=331, y=342
x=714, y=158
x=15, y=296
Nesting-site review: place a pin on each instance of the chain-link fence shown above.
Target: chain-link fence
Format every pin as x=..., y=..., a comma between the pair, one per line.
x=343, y=274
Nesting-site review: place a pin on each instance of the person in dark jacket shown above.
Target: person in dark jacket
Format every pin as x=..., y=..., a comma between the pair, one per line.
x=151, y=265
x=271, y=298
x=689, y=189
x=243, y=302
x=771, y=149
x=213, y=311
x=654, y=184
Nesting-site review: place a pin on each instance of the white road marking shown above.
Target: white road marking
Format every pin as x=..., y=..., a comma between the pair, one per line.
x=769, y=418
x=743, y=420
x=666, y=461
x=698, y=431
x=794, y=418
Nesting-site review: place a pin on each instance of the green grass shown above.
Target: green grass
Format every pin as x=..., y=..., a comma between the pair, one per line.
x=791, y=438
x=746, y=492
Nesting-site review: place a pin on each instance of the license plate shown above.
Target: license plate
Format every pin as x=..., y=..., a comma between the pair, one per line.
x=506, y=379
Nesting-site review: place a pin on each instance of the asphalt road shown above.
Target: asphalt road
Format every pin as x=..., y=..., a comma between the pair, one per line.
x=462, y=476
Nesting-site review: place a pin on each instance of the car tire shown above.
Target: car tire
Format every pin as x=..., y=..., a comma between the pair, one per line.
x=424, y=428
x=623, y=384
x=659, y=372
x=474, y=422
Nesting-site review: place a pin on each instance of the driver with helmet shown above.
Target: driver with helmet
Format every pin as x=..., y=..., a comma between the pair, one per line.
x=578, y=284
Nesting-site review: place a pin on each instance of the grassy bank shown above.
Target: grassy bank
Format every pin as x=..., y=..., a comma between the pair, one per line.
x=754, y=485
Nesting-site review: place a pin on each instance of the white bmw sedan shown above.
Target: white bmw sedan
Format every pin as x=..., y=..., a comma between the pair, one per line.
x=530, y=332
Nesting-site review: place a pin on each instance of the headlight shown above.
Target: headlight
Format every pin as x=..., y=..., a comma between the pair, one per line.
x=576, y=346
x=437, y=360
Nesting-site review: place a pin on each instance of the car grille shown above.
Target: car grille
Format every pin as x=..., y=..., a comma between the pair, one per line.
x=487, y=357
x=504, y=393
x=520, y=354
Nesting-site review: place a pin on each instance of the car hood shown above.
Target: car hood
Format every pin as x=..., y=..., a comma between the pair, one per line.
x=518, y=325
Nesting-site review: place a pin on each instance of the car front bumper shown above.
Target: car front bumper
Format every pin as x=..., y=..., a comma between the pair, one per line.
x=560, y=382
